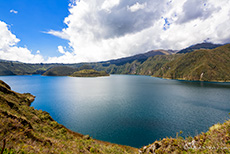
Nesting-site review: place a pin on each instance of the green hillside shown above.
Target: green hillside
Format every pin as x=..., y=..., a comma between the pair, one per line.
x=148, y=67
x=202, y=65
x=18, y=68
x=24, y=129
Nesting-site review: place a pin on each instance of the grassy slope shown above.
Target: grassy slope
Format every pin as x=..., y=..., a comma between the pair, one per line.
x=153, y=64
x=216, y=140
x=27, y=130
x=203, y=65
x=148, y=67
x=17, y=68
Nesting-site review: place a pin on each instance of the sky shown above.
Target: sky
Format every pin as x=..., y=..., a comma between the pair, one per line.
x=72, y=31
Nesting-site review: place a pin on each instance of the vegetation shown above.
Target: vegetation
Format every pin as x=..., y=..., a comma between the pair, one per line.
x=202, y=65
x=17, y=68
x=139, y=57
x=24, y=129
x=216, y=140
x=89, y=73
x=60, y=71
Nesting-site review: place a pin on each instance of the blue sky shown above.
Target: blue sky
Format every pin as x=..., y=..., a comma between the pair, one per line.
x=64, y=31
x=34, y=17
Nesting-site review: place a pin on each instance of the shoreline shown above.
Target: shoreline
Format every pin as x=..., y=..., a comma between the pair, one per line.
x=181, y=79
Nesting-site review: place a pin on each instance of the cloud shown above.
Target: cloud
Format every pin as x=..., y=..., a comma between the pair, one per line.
x=108, y=4
x=13, y=11
x=61, y=49
x=136, y=7
x=10, y=51
x=193, y=9
x=105, y=29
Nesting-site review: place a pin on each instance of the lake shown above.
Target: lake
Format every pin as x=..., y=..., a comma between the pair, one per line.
x=128, y=109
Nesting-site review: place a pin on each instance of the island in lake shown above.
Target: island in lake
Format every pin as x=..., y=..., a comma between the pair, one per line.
x=89, y=73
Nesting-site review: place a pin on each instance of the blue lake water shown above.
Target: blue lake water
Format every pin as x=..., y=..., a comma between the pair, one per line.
x=127, y=109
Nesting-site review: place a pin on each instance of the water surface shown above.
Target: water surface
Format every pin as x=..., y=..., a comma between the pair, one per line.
x=127, y=109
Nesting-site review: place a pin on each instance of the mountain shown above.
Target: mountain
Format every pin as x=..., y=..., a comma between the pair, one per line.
x=139, y=57
x=18, y=68
x=199, y=46
x=24, y=129
x=202, y=65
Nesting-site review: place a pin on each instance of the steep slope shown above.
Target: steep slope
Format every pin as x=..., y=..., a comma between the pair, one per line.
x=202, y=65
x=153, y=64
x=199, y=46
x=216, y=140
x=26, y=130
x=139, y=57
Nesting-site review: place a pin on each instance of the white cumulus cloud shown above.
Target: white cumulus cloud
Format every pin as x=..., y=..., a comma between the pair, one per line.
x=10, y=51
x=94, y=34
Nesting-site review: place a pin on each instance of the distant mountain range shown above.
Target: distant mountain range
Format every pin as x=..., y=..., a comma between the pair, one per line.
x=201, y=62
x=139, y=57
x=199, y=46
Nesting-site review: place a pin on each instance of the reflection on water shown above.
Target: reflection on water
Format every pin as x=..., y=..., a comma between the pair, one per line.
x=128, y=109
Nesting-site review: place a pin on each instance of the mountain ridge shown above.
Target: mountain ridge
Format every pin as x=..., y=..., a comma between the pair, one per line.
x=197, y=46
x=200, y=65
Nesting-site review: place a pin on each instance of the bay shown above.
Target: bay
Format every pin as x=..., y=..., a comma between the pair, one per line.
x=128, y=109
